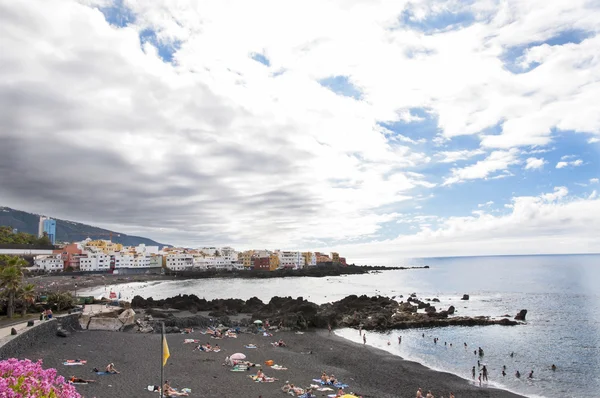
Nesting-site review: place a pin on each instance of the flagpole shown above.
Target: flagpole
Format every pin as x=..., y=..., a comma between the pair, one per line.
x=162, y=356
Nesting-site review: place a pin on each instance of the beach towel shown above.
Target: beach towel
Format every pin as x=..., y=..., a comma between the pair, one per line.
x=250, y=346
x=190, y=341
x=70, y=362
x=75, y=382
x=104, y=373
x=278, y=367
x=217, y=350
x=268, y=379
x=153, y=388
x=324, y=389
x=234, y=369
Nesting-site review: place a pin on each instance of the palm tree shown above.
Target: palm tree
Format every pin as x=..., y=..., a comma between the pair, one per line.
x=27, y=297
x=11, y=277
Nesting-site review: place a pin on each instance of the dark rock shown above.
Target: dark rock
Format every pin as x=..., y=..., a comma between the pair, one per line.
x=465, y=297
x=451, y=310
x=429, y=309
x=436, y=300
x=13, y=332
x=521, y=315
x=60, y=332
x=30, y=323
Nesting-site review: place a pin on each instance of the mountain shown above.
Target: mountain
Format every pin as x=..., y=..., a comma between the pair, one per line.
x=68, y=231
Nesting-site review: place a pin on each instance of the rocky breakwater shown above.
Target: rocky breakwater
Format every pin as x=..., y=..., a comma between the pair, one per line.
x=370, y=313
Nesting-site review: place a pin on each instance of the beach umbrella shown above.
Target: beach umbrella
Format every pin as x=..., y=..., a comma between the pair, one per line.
x=238, y=356
x=258, y=321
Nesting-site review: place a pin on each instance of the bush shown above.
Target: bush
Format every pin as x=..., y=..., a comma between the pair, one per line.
x=20, y=379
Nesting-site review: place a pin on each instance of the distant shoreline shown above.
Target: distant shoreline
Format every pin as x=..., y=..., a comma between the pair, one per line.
x=65, y=282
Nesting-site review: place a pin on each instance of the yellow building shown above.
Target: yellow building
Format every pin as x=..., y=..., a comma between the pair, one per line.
x=335, y=257
x=273, y=262
x=105, y=246
x=247, y=259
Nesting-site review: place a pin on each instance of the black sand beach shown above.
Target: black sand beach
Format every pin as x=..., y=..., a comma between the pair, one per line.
x=368, y=371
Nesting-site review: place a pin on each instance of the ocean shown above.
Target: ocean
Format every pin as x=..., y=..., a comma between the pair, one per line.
x=561, y=294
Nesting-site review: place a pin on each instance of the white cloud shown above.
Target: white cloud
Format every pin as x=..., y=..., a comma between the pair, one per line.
x=594, y=181
x=232, y=151
x=534, y=163
x=496, y=161
x=593, y=140
x=548, y=223
x=454, y=156
x=574, y=163
x=486, y=204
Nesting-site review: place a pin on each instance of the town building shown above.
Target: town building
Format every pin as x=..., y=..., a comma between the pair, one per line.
x=95, y=261
x=290, y=259
x=310, y=259
x=335, y=258
x=262, y=263
x=47, y=226
x=180, y=262
x=51, y=263
x=322, y=258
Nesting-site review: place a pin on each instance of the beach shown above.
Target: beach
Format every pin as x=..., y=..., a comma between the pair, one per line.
x=368, y=371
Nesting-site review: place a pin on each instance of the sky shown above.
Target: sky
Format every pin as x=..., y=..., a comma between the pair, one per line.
x=379, y=129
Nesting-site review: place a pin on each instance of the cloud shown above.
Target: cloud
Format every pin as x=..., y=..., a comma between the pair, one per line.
x=151, y=117
x=454, y=156
x=574, y=163
x=593, y=140
x=496, y=161
x=548, y=223
x=486, y=204
x=594, y=181
x=534, y=163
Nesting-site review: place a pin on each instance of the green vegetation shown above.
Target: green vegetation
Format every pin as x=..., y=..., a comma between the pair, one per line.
x=62, y=301
x=7, y=236
x=11, y=282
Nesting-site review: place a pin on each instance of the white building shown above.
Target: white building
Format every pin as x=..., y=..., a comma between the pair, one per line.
x=180, y=262
x=95, y=262
x=312, y=260
x=143, y=249
x=292, y=260
x=52, y=263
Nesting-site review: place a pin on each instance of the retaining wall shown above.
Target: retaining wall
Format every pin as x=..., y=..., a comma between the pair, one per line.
x=35, y=334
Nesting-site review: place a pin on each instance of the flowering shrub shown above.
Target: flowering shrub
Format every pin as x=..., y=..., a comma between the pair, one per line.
x=24, y=379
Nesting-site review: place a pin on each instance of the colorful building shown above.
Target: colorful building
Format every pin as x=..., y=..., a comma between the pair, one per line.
x=262, y=264
x=335, y=258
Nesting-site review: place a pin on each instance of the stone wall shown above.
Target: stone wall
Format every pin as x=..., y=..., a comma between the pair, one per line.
x=37, y=335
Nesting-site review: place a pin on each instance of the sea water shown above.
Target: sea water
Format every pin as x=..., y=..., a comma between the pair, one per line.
x=561, y=294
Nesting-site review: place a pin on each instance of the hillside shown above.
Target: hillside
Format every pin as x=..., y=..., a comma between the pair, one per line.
x=68, y=231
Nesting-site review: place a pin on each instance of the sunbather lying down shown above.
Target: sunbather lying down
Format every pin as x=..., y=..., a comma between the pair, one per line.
x=79, y=380
x=261, y=377
x=171, y=392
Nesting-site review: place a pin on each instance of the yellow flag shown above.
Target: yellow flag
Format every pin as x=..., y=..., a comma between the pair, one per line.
x=166, y=353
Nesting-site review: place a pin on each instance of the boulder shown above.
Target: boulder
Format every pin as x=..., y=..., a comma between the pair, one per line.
x=451, y=310
x=436, y=300
x=465, y=297
x=430, y=309
x=13, y=332
x=30, y=323
x=521, y=315
x=127, y=317
x=60, y=332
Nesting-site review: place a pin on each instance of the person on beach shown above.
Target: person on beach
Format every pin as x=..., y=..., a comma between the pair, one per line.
x=503, y=373
x=340, y=392
x=365, y=338
x=171, y=392
x=74, y=379
x=473, y=371
x=49, y=314
x=110, y=368
x=479, y=378
x=451, y=395
x=465, y=346
x=400, y=341
x=480, y=352
x=329, y=328
x=429, y=395
x=419, y=393
x=478, y=364
x=359, y=329
x=530, y=375
x=485, y=373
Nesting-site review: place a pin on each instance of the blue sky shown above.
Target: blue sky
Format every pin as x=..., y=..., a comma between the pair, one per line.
x=380, y=130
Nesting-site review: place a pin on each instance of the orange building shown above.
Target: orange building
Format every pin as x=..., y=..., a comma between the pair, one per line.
x=70, y=254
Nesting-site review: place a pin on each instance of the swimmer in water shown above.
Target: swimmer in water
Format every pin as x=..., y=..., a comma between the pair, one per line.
x=553, y=367
x=518, y=374
x=530, y=375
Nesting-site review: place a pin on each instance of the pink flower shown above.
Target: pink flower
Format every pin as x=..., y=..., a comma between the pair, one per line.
x=24, y=379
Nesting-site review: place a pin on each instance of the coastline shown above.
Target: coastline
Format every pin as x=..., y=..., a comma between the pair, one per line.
x=369, y=371
x=67, y=281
